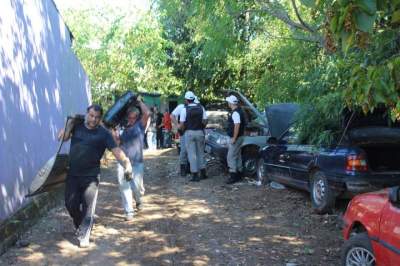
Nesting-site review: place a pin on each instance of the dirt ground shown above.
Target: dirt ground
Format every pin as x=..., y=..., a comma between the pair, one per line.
x=186, y=223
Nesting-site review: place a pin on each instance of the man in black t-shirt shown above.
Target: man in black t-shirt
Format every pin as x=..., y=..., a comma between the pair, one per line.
x=159, y=136
x=89, y=140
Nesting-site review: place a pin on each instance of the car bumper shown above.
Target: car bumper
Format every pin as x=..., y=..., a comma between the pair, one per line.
x=361, y=183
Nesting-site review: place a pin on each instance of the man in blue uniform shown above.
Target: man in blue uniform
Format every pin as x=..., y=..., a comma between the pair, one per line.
x=236, y=126
x=193, y=119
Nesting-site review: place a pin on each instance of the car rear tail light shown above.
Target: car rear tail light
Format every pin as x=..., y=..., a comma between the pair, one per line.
x=356, y=163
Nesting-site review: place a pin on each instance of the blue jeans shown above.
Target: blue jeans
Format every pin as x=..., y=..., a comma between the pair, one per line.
x=152, y=140
x=167, y=139
x=127, y=187
x=194, y=140
x=183, y=156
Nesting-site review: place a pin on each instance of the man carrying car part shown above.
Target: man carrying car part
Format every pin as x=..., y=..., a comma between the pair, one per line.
x=193, y=119
x=236, y=126
x=131, y=141
x=88, y=143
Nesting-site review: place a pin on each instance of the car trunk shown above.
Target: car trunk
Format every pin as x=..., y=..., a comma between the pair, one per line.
x=383, y=158
x=379, y=137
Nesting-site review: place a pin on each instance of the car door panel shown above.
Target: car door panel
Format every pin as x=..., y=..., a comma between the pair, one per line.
x=276, y=164
x=389, y=238
x=299, y=158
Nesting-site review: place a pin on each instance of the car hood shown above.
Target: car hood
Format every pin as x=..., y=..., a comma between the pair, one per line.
x=280, y=117
x=246, y=102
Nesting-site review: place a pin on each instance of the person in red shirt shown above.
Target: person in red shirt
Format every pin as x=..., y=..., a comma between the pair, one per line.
x=167, y=128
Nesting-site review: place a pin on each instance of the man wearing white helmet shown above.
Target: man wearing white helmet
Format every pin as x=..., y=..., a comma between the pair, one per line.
x=183, y=157
x=236, y=126
x=193, y=119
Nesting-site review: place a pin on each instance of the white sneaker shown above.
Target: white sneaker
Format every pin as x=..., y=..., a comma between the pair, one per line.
x=84, y=232
x=84, y=243
x=129, y=217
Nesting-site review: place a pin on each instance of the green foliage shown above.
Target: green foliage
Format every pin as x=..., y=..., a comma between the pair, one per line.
x=325, y=54
x=120, y=54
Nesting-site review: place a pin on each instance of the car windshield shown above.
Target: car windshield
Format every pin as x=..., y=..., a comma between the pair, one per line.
x=291, y=136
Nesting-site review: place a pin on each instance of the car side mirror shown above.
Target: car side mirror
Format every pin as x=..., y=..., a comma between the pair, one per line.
x=394, y=195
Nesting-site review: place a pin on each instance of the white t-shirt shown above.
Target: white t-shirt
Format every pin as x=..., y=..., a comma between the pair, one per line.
x=236, y=117
x=183, y=113
x=177, y=111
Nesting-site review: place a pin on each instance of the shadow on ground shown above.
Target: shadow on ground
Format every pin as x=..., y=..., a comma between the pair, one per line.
x=185, y=223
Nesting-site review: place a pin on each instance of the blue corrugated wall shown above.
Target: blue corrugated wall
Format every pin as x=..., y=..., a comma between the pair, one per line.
x=41, y=81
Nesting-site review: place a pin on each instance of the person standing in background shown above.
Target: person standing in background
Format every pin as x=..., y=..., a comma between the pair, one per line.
x=152, y=129
x=167, y=125
x=183, y=157
x=193, y=119
x=236, y=126
x=159, y=126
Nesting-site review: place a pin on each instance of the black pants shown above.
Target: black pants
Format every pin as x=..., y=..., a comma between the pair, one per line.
x=81, y=197
x=160, y=138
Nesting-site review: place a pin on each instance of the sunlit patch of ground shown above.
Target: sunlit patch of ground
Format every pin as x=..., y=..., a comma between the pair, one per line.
x=185, y=223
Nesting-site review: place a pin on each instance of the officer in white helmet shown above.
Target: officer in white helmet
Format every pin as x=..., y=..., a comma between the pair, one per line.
x=193, y=119
x=236, y=126
x=183, y=157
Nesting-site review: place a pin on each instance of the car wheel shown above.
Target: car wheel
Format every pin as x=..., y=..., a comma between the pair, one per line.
x=249, y=161
x=358, y=251
x=262, y=172
x=214, y=165
x=322, y=196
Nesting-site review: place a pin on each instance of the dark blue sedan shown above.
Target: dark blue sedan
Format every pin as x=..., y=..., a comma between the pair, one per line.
x=368, y=160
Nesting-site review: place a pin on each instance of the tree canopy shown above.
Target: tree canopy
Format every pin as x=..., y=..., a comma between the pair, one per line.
x=329, y=54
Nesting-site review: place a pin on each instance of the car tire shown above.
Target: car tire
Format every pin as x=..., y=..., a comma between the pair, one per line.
x=358, y=249
x=261, y=174
x=214, y=165
x=322, y=196
x=249, y=162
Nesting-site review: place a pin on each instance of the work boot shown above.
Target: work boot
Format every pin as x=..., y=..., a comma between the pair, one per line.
x=234, y=177
x=203, y=174
x=239, y=174
x=195, y=177
x=183, y=170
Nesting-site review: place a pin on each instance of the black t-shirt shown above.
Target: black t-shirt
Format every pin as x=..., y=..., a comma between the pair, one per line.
x=87, y=148
x=159, y=119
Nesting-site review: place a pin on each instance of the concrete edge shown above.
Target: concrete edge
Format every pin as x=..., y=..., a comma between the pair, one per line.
x=13, y=227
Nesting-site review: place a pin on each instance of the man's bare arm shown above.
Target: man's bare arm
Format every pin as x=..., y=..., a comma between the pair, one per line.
x=145, y=113
x=235, y=133
x=122, y=159
x=67, y=133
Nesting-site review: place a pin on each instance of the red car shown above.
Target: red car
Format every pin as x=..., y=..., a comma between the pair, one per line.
x=372, y=229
